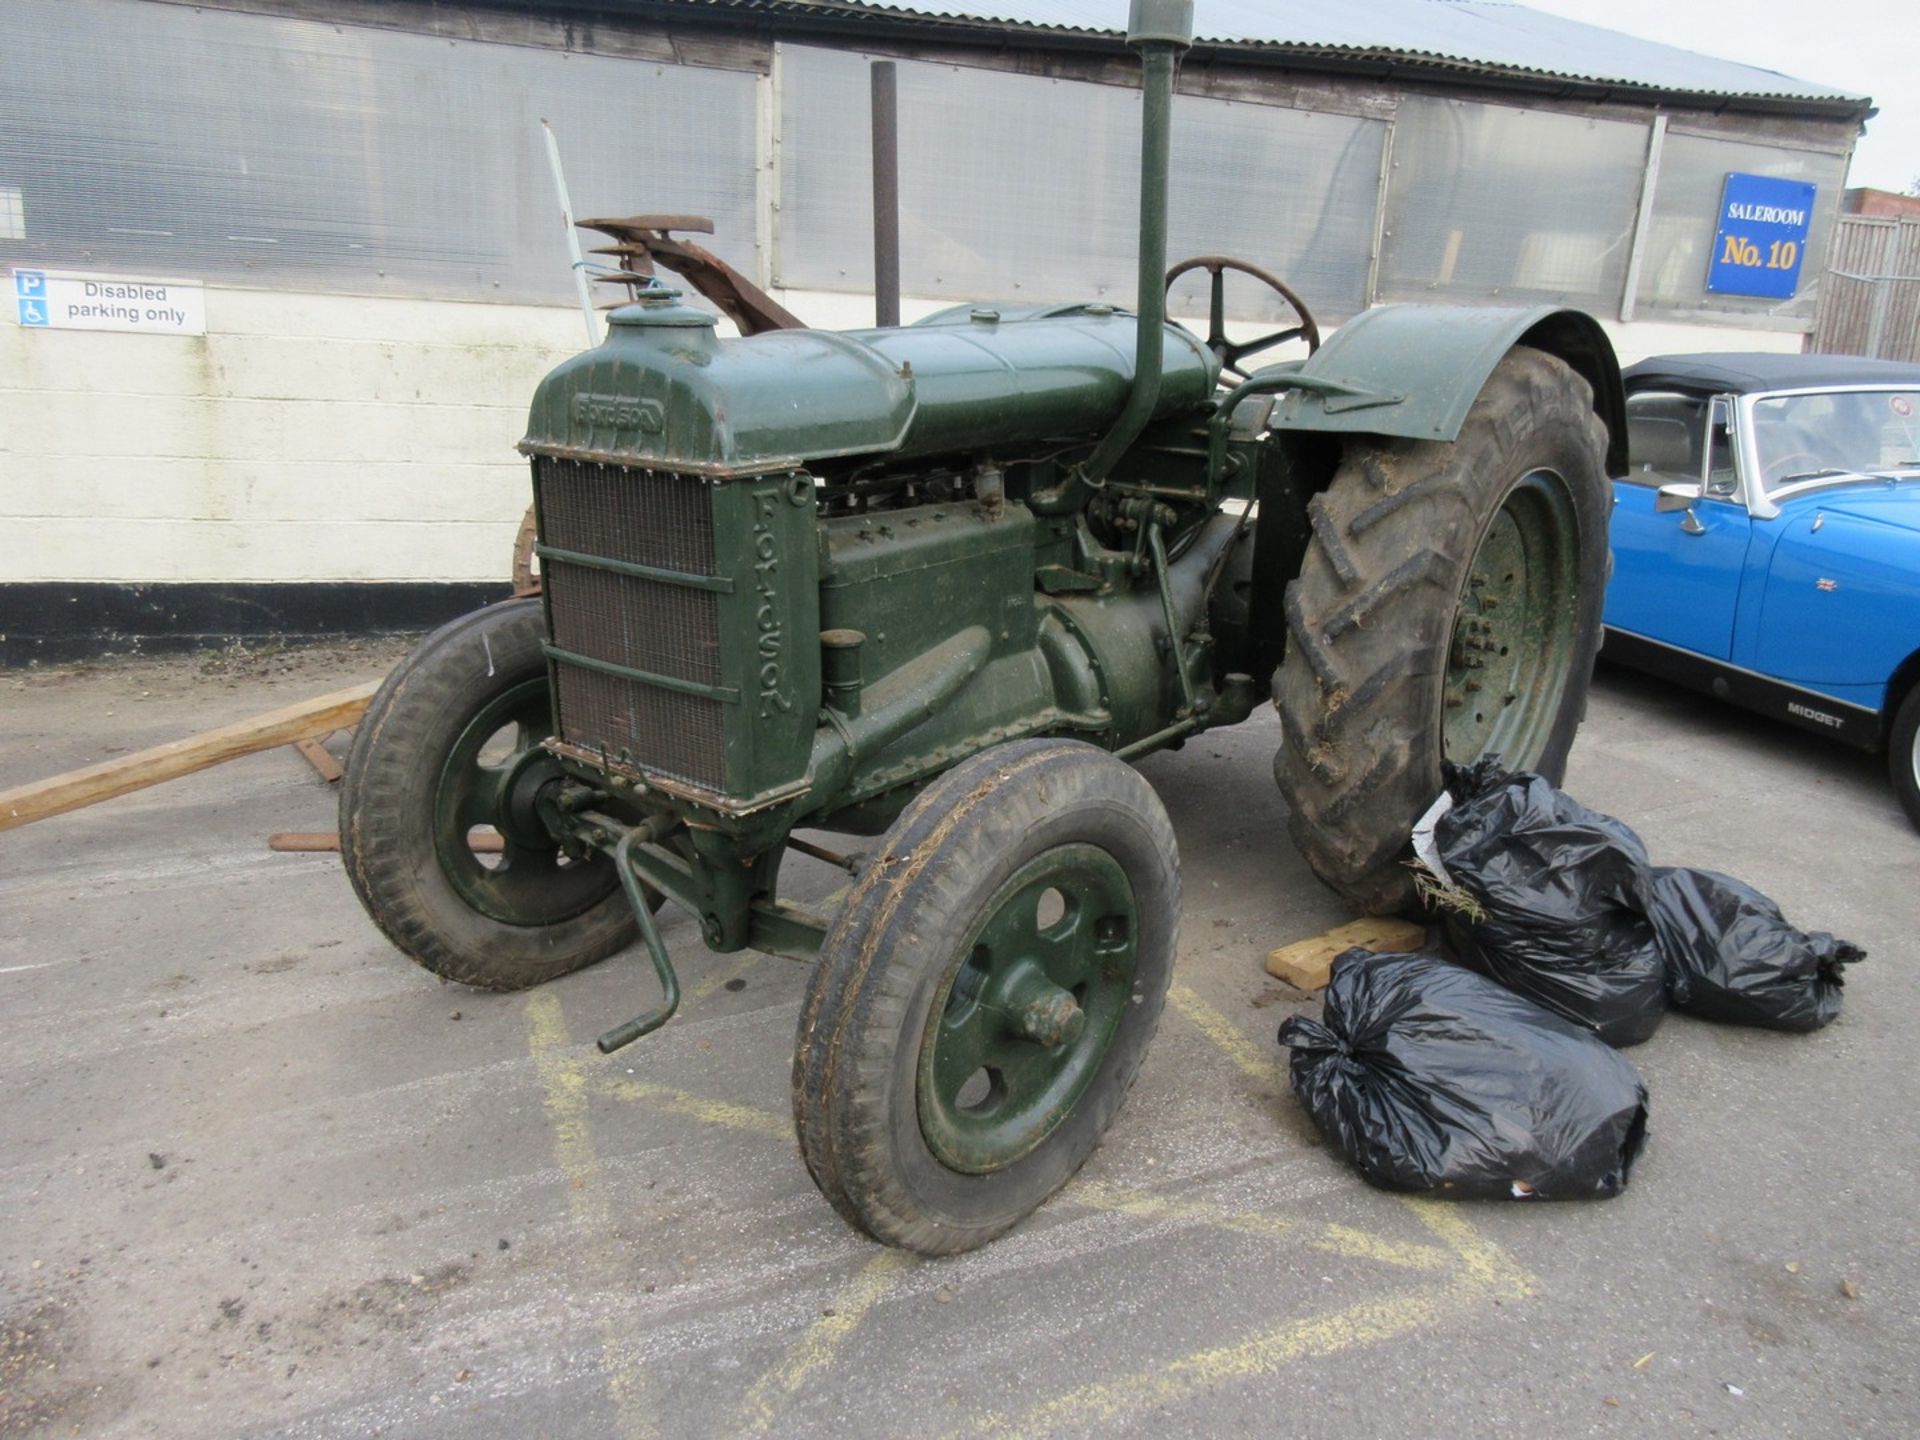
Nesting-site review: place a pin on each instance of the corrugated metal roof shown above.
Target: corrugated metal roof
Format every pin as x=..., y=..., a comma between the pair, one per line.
x=1494, y=35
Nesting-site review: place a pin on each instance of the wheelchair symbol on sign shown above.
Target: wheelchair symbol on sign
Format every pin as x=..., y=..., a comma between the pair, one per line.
x=33, y=312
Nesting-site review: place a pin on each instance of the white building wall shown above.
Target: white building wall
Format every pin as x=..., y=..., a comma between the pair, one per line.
x=303, y=437
x=330, y=437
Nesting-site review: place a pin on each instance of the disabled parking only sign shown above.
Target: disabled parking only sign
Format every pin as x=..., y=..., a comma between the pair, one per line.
x=61, y=300
x=1762, y=236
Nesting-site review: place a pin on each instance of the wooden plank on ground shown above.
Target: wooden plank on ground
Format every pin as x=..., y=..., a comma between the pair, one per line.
x=310, y=841
x=304, y=841
x=321, y=758
x=57, y=795
x=1309, y=963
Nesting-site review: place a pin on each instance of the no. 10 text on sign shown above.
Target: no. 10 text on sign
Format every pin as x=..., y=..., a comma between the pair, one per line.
x=1762, y=236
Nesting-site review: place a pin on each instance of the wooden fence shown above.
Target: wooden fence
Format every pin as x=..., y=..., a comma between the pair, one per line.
x=1870, y=300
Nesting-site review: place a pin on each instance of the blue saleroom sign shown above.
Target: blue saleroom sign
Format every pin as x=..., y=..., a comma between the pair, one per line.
x=1762, y=236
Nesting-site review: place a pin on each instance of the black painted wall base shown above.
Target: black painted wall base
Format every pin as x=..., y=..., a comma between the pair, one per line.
x=48, y=621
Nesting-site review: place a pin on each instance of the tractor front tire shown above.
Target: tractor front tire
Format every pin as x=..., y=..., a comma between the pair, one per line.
x=986, y=994
x=1448, y=606
x=449, y=749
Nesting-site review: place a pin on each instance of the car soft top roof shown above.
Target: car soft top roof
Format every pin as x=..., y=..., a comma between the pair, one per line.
x=1749, y=373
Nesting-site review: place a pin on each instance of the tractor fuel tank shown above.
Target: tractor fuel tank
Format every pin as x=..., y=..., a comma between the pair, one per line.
x=663, y=391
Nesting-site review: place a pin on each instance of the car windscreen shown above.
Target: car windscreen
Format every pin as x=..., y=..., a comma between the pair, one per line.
x=1835, y=433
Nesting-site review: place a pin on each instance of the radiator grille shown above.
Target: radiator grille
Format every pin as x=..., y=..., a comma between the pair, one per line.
x=637, y=517
x=642, y=517
x=642, y=624
x=663, y=730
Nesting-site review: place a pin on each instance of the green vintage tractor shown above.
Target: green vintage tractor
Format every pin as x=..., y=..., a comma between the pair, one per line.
x=937, y=585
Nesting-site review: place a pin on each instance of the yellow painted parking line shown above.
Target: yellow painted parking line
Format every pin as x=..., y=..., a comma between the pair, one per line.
x=1481, y=1272
x=1486, y=1265
x=1461, y=1244
x=724, y=1113
x=1249, y=1057
x=1341, y=1240
x=1477, y=1271
x=565, y=1089
x=816, y=1349
x=604, y=1082
x=1365, y=1245
x=1148, y=1205
x=1367, y=1323
x=1475, y=1268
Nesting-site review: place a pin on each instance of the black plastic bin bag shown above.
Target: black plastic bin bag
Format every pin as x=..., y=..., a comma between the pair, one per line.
x=1432, y=1078
x=1555, y=900
x=1732, y=956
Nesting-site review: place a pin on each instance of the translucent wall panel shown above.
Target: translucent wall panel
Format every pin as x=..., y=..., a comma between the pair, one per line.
x=157, y=139
x=1686, y=213
x=1486, y=202
x=1018, y=187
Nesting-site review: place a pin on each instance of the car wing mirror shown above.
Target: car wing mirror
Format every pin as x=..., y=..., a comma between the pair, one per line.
x=1680, y=496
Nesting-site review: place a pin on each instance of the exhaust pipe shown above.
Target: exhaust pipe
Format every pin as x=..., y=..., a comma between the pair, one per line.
x=886, y=194
x=1162, y=31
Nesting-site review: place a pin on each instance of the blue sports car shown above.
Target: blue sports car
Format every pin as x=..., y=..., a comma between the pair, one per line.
x=1766, y=541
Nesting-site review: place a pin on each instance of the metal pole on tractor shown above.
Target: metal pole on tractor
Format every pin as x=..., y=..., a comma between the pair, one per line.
x=1161, y=30
x=886, y=194
x=573, y=237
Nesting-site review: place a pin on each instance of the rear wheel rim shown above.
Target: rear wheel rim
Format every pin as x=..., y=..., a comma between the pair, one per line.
x=1022, y=1022
x=491, y=780
x=1515, y=629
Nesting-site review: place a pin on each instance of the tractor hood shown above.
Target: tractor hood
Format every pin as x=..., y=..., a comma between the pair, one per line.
x=664, y=392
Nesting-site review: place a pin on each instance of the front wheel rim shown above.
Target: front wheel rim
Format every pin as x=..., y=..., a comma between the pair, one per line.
x=1515, y=628
x=485, y=785
x=1022, y=1022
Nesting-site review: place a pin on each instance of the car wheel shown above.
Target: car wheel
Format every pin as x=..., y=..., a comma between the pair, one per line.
x=1903, y=755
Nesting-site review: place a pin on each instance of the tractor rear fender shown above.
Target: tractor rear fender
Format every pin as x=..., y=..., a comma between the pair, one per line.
x=1415, y=371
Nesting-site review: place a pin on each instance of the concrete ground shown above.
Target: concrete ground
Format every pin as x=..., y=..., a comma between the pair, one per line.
x=262, y=1177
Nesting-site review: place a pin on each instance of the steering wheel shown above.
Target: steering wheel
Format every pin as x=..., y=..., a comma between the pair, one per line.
x=1231, y=354
x=1790, y=462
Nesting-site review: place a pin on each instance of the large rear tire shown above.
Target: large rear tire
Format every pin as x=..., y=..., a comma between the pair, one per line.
x=450, y=748
x=986, y=994
x=1448, y=606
